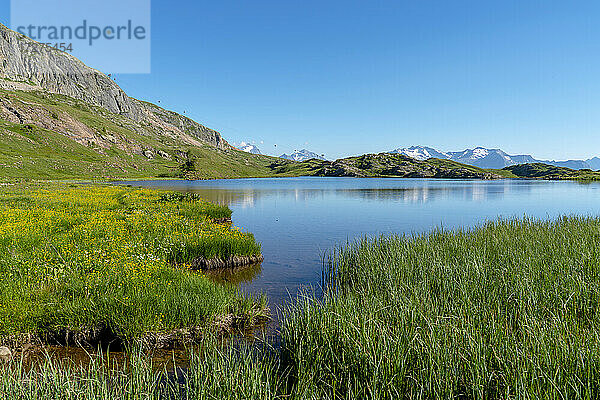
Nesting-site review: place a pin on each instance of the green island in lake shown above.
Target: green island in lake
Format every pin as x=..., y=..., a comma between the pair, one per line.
x=92, y=262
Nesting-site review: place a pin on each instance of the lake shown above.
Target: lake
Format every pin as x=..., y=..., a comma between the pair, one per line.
x=298, y=220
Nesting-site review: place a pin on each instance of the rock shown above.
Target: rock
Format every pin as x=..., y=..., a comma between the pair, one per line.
x=166, y=120
x=164, y=154
x=5, y=353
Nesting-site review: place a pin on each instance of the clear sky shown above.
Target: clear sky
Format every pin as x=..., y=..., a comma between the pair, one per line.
x=350, y=77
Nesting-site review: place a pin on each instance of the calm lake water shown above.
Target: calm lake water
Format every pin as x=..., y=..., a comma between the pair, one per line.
x=298, y=220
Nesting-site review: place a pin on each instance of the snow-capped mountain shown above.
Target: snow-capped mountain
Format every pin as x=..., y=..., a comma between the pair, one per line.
x=249, y=148
x=491, y=158
x=420, y=153
x=302, y=155
x=479, y=156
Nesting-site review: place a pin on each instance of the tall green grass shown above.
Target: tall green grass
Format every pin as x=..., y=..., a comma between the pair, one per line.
x=509, y=310
x=216, y=246
x=215, y=372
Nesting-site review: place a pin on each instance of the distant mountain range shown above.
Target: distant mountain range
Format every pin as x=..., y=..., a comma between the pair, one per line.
x=302, y=155
x=491, y=158
x=298, y=155
x=249, y=148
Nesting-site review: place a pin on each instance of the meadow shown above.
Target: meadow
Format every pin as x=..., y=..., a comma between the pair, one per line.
x=506, y=310
x=85, y=263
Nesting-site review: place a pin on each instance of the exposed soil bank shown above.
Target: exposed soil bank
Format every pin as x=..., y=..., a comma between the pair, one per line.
x=105, y=338
x=231, y=262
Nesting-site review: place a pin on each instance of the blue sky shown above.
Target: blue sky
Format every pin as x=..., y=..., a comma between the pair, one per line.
x=350, y=77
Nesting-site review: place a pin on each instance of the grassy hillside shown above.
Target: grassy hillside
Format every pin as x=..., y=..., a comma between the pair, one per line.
x=49, y=136
x=397, y=165
x=550, y=172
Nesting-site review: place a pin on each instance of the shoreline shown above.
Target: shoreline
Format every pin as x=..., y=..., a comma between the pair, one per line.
x=103, y=338
x=232, y=262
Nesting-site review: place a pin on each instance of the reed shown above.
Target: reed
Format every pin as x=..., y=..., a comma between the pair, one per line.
x=215, y=372
x=507, y=310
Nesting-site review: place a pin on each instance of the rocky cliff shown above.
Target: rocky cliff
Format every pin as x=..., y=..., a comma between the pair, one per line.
x=31, y=66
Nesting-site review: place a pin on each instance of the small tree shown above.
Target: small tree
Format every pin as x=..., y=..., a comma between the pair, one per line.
x=188, y=166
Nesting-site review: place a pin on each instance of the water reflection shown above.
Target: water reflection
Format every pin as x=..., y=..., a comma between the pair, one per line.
x=247, y=193
x=78, y=357
x=235, y=276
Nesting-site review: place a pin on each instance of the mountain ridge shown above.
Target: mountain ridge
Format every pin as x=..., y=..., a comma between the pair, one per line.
x=302, y=155
x=383, y=165
x=491, y=158
x=60, y=119
x=26, y=65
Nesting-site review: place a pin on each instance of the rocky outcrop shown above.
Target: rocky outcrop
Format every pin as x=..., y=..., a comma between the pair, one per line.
x=26, y=62
x=552, y=172
x=156, y=115
x=31, y=66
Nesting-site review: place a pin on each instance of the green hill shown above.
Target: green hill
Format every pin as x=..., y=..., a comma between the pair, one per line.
x=386, y=165
x=550, y=172
x=60, y=119
x=51, y=136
